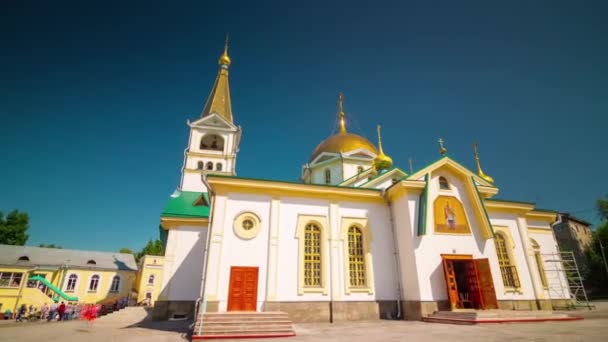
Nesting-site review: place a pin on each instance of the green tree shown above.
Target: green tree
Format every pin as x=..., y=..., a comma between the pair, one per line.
x=13, y=228
x=153, y=247
x=50, y=245
x=125, y=250
x=597, y=274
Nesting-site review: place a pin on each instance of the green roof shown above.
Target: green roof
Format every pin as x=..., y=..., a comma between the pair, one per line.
x=187, y=204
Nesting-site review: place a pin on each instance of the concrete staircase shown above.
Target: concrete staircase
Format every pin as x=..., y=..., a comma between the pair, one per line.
x=128, y=314
x=496, y=316
x=242, y=325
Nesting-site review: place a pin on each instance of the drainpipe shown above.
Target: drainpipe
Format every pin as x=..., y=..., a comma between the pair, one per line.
x=206, y=258
x=395, y=252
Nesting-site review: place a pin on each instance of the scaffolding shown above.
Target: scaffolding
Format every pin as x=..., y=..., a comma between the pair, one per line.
x=565, y=283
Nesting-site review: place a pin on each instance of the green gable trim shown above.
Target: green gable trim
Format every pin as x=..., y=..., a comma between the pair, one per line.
x=187, y=204
x=485, y=211
x=384, y=173
x=297, y=183
x=422, y=207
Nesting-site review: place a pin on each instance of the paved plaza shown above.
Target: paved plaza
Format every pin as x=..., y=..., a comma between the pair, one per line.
x=132, y=324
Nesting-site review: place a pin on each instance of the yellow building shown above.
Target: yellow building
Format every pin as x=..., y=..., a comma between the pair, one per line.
x=34, y=276
x=149, y=279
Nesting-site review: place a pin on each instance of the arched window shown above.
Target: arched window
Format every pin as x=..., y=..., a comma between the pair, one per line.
x=359, y=169
x=443, y=184
x=151, y=279
x=356, y=257
x=212, y=142
x=539, y=263
x=71, y=285
x=327, y=176
x=312, y=256
x=94, y=283
x=115, y=284
x=507, y=267
x=91, y=262
x=218, y=167
x=209, y=165
x=200, y=165
x=24, y=258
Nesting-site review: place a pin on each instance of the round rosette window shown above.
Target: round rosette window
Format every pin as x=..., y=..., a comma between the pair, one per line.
x=247, y=225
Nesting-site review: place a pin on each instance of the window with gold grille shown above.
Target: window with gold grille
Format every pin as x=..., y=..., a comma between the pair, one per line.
x=356, y=257
x=507, y=268
x=312, y=256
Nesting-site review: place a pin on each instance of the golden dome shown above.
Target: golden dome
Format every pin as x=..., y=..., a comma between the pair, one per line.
x=382, y=161
x=343, y=142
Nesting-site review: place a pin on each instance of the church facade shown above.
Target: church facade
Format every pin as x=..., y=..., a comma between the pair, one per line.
x=357, y=238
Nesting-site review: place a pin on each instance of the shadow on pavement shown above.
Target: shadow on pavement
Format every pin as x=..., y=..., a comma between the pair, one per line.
x=181, y=327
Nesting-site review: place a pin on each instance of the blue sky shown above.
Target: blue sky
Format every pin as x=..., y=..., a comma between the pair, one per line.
x=94, y=98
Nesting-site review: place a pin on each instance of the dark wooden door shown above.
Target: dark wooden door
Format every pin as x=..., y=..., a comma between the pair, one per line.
x=473, y=286
x=486, y=284
x=450, y=279
x=243, y=289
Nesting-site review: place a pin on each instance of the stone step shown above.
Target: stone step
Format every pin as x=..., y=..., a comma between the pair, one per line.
x=230, y=323
x=496, y=316
x=492, y=314
x=260, y=334
x=243, y=325
x=245, y=329
x=244, y=319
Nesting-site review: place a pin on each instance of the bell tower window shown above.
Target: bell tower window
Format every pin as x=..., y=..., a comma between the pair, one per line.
x=209, y=165
x=200, y=165
x=212, y=142
x=218, y=167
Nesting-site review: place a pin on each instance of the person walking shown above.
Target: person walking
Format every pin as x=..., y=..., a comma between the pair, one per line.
x=61, y=311
x=52, y=311
x=44, y=310
x=21, y=313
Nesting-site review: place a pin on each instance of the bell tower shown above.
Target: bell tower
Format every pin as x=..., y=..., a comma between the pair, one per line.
x=214, y=138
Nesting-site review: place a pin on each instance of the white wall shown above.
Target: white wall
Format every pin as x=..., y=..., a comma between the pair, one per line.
x=183, y=267
x=230, y=250
x=318, y=172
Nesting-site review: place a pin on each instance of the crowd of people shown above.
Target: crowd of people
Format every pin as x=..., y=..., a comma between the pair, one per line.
x=62, y=311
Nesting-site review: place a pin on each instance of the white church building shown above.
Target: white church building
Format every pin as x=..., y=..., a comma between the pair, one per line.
x=356, y=239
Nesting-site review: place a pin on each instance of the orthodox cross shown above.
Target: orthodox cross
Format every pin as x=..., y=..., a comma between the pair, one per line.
x=442, y=148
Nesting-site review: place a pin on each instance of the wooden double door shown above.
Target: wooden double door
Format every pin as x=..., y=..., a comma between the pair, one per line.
x=243, y=288
x=469, y=282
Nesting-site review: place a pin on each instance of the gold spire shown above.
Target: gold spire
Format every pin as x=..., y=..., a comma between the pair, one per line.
x=219, y=98
x=479, y=170
x=382, y=161
x=224, y=58
x=341, y=114
x=442, y=149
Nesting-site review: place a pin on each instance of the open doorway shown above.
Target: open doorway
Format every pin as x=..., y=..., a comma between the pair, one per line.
x=469, y=282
